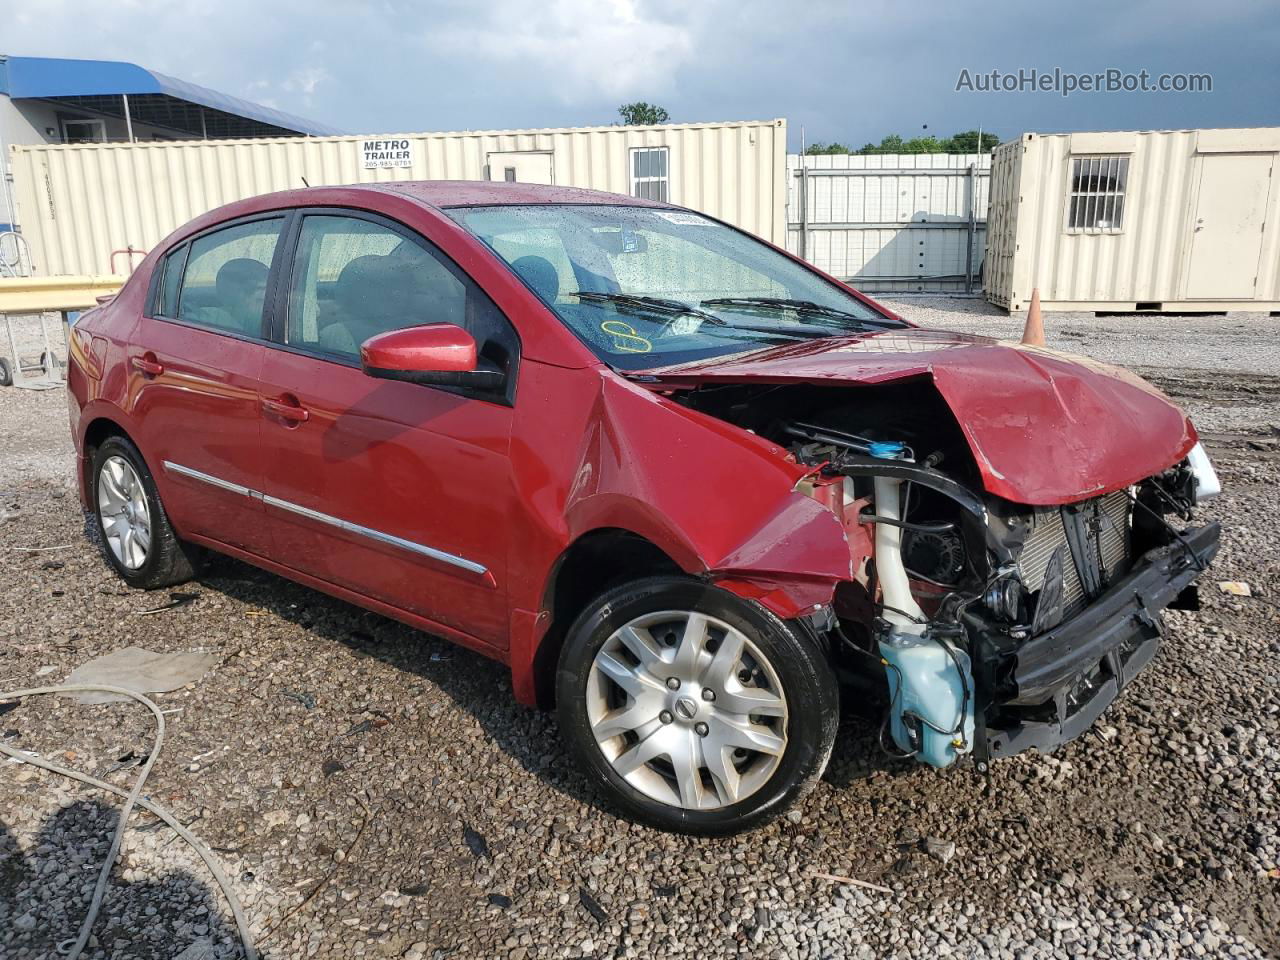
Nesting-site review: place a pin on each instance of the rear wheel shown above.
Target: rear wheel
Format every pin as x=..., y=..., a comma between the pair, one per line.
x=137, y=539
x=696, y=710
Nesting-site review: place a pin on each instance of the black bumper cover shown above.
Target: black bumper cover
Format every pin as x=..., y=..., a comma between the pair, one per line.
x=1051, y=688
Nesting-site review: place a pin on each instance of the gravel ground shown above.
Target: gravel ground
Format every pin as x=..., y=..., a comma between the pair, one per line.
x=376, y=792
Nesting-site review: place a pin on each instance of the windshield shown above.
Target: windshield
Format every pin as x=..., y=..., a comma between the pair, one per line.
x=647, y=287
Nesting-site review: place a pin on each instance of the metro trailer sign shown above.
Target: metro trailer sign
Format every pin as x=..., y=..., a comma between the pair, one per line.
x=382, y=154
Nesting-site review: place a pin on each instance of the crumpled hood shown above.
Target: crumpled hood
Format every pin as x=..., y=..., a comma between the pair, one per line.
x=1044, y=427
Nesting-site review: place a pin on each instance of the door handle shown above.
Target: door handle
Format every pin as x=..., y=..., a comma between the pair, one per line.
x=288, y=409
x=148, y=364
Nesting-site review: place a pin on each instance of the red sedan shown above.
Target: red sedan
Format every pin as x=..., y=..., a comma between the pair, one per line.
x=681, y=482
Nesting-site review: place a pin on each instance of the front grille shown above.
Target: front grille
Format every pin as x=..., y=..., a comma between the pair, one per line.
x=1107, y=538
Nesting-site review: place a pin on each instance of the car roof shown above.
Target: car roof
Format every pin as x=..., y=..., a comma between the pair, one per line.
x=485, y=193
x=440, y=194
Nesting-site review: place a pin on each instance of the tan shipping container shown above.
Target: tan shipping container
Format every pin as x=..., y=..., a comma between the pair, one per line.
x=83, y=207
x=1158, y=220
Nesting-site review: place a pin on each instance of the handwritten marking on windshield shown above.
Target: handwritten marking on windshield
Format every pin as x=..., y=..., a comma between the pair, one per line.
x=625, y=338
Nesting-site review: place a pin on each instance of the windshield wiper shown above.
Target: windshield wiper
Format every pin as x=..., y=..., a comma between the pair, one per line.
x=658, y=305
x=800, y=306
x=665, y=308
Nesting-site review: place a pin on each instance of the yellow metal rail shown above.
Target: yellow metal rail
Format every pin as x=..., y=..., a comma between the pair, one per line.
x=38, y=294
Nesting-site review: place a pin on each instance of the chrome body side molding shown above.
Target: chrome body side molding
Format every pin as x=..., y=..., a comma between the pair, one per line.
x=368, y=532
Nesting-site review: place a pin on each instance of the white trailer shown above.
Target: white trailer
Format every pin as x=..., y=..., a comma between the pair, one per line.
x=96, y=208
x=1184, y=221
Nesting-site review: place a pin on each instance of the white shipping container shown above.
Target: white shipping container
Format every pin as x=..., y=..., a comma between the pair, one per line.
x=1159, y=220
x=82, y=208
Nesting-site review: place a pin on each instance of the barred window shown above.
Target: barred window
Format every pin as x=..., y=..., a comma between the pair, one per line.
x=649, y=179
x=1097, y=193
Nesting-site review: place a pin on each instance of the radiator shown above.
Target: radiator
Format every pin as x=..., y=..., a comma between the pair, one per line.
x=1108, y=535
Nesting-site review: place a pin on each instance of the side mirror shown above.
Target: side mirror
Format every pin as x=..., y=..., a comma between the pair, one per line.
x=435, y=354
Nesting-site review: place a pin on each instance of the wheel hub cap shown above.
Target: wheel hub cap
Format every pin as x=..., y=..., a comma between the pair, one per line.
x=707, y=741
x=123, y=512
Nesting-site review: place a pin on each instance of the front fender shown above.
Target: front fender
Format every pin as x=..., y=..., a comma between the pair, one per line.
x=590, y=450
x=720, y=501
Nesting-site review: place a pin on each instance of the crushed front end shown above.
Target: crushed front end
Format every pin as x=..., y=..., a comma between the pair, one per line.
x=1001, y=627
x=1058, y=636
x=1015, y=518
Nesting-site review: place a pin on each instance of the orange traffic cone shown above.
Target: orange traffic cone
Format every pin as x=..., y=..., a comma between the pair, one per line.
x=1033, y=333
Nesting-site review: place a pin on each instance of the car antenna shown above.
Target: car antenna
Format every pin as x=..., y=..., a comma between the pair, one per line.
x=305, y=184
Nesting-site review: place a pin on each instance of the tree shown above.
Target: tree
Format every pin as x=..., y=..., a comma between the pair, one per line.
x=964, y=142
x=967, y=142
x=919, y=145
x=641, y=114
x=820, y=149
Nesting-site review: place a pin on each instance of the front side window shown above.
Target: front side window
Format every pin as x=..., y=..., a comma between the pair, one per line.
x=224, y=285
x=1097, y=193
x=647, y=287
x=649, y=178
x=353, y=279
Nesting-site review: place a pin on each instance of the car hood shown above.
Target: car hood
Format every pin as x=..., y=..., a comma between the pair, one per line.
x=1044, y=427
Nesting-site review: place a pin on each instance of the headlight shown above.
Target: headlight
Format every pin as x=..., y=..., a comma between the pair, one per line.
x=1207, y=484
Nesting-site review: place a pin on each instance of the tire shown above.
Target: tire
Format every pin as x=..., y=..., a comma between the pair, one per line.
x=602, y=685
x=166, y=560
x=6, y=373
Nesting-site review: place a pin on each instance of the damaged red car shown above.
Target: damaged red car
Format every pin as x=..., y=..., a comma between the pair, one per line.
x=688, y=487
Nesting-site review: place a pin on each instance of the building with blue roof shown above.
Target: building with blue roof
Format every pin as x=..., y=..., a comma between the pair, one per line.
x=53, y=100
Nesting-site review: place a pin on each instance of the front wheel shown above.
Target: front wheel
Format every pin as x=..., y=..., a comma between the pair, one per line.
x=696, y=710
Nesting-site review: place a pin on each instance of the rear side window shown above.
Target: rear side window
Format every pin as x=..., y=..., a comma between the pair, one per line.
x=167, y=300
x=224, y=285
x=354, y=278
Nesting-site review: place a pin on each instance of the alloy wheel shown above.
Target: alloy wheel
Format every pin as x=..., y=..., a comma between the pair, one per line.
x=123, y=512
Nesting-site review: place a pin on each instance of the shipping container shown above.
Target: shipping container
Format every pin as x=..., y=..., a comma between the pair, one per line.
x=1133, y=221
x=96, y=208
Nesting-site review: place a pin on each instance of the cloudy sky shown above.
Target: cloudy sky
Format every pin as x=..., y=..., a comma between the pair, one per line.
x=850, y=71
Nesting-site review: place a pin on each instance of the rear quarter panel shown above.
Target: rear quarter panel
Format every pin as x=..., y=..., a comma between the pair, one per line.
x=98, y=367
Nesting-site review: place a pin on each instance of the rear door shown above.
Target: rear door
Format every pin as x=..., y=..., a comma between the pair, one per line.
x=194, y=361
x=396, y=491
